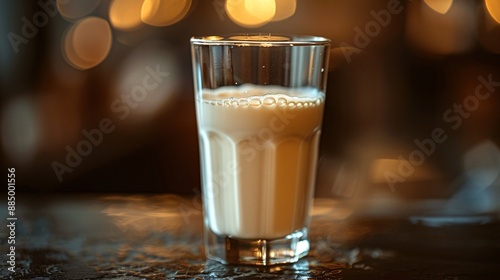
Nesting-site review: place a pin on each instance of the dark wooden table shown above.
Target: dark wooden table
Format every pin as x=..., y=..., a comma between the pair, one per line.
x=82, y=236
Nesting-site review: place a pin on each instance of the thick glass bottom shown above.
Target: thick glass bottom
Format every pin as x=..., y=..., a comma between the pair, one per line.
x=230, y=250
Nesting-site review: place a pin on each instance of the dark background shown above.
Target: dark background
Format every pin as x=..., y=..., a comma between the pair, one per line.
x=388, y=86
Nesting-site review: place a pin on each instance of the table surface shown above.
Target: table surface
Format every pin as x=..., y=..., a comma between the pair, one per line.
x=106, y=236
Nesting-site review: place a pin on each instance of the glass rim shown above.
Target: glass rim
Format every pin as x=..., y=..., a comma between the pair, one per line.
x=260, y=39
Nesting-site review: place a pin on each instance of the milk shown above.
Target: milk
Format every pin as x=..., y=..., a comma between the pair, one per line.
x=259, y=151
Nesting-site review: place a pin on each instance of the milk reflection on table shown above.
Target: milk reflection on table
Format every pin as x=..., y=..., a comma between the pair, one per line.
x=259, y=152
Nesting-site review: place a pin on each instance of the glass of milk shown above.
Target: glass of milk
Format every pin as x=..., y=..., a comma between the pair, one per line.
x=259, y=106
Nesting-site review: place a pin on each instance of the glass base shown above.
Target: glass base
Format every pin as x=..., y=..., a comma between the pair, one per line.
x=230, y=250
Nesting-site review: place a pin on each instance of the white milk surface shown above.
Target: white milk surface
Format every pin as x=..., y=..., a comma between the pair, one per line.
x=259, y=151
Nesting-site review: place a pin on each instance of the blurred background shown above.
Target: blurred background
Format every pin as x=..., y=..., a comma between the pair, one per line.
x=96, y=96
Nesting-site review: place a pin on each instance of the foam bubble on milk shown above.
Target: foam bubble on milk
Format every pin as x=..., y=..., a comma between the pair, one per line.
x=267, y=96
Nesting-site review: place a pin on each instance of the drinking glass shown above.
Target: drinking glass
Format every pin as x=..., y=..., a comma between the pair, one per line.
x=259, y=107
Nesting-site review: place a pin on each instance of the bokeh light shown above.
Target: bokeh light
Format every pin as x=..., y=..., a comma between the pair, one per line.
x=440, y=6
x=125, y=14
x=482, y=164
x=87, y=43
x=20, y=129
x=489, y=29
x=493, y=8
x=252, y=13
x=164, y=12
x=76, y=9
x=384, y=170
x=284, y=9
